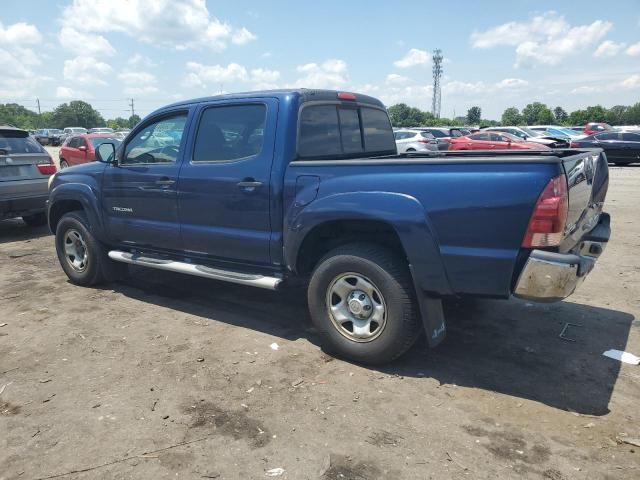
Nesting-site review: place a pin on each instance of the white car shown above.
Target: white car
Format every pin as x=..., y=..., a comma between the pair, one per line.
x=558, y=131
x=415, y=141
x=533, y=136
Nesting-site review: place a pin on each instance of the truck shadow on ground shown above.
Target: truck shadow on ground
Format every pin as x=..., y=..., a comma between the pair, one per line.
x=511, y=347
x=14, y=230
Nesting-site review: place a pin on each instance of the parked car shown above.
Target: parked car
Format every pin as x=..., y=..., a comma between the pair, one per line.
x=596, y=127
x=310, y=188
x=25, y=168
x=532, y=136
x=122, y=133
x=443, y=135
x=101, y=130
x=414, y=141
x=621, y=148
x=493, y=141
x=557, y=132
x=71, y=131
x=48, y=136
x=82, y=148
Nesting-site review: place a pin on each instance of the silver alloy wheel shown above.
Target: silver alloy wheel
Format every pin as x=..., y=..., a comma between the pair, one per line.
x=356, y=307
x=63, y=164
x=75, y=250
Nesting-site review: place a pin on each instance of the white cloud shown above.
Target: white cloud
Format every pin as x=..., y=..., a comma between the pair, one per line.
x=18, y=59
x=608, y=48
x=263, y=75
x=242, y=36
x=84, y=43
x=138, y=60
x=178, y=24
x=202, y=76
x=86, y=70
x=545, y=39
x=631, y=82
x=584, y=90
x=329, y=74
x=412, y=58
x=67, y=93
x=139, y=83
x=633, y=50
x=395, y=79
x=19, y=34
x=266, y=55
x=511, y=83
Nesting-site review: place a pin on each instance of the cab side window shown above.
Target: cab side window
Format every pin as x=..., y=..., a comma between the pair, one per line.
x=158, y=142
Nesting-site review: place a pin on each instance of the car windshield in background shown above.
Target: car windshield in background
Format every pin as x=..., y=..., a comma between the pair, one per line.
x=532, y=133
x=512, y=137
x=12, y=143
x=428, y=135
x=97, y=141
x=54, y=131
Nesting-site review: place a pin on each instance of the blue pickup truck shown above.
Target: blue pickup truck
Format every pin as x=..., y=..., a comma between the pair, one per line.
x=276, y=188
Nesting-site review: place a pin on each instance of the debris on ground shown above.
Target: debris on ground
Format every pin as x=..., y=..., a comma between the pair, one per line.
x=624, y=357
x=630, y=441
x=274, y=346
x=274, y=472
x=297, y=382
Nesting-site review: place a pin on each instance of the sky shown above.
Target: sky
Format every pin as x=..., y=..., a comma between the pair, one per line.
x=496, y=54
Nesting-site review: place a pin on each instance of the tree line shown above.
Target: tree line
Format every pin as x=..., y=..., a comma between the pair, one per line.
x=535, y=113
x=73, y=114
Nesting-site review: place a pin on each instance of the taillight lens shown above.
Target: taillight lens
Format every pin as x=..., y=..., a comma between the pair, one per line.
x=422, y=140
x=47, y=168
x=547, y=223
x=573, y=145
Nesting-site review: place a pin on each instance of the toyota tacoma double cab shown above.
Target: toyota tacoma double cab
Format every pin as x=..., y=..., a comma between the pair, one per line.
x=280, y=188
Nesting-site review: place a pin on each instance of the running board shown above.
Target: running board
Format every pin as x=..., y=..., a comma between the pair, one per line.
x=260, y=281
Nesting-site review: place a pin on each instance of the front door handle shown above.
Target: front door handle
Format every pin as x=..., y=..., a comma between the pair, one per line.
x=165, y=182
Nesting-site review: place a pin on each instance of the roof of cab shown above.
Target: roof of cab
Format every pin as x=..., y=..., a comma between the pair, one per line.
x=304, y=95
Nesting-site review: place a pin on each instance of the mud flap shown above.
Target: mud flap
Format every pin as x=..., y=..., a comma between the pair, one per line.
x=432, y=316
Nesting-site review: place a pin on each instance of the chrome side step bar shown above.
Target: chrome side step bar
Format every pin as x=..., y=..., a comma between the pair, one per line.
x=260, y=281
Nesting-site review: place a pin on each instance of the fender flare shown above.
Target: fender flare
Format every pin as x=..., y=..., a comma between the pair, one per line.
x=404, y=213
x=84, y=194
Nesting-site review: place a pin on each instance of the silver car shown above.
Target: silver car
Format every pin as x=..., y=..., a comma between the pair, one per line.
x=25, y=168
x=414, y=141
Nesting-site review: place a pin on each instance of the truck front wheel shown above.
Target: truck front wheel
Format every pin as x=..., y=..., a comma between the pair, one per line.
x=361, y=299
x=81, y=255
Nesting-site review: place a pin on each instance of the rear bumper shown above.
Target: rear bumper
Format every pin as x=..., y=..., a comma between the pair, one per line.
x=550, y=276
x=22, y=206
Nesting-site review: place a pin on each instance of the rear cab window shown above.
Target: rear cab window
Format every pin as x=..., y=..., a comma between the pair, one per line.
x=344, y=131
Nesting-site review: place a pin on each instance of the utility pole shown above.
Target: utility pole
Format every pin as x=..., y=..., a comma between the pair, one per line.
x=437, y=74
x=39, y=113
x=133, y=111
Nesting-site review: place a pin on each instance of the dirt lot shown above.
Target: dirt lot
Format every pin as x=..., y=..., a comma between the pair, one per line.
x=166, y=376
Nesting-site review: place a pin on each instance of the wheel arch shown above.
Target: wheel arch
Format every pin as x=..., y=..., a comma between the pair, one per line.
x=71, y=197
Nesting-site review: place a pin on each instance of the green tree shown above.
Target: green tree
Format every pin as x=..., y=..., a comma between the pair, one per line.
x=402, y=115
x=77, y=114
x=617, y=115
x=537, y=113
x=474, y=114
x=18, y=116
x=511, y=116
x=133, y=121
x=560, y=114
x=118, y=122
x=632, y=115
x=578, y=117
x=596, y=114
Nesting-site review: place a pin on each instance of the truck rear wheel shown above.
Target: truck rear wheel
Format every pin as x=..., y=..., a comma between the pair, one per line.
x=81, y=255
x=361, y=299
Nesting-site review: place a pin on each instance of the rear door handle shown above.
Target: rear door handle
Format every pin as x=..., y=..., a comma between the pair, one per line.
x=249, y=184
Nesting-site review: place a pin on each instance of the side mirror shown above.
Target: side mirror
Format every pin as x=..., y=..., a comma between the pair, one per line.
x=83, y=148
x=106, y=152
x=525, y=138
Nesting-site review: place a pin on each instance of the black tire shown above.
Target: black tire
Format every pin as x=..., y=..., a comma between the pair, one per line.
x=390, y=275
x=99, y=267
x=35, y=220
x=411, y=149
x=63, y=164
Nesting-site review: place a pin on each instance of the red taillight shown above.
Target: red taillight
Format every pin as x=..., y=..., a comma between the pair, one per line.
x=546, y=226
x=422, y=140
x=346, y=96
x=573, y=145
x=47, y=168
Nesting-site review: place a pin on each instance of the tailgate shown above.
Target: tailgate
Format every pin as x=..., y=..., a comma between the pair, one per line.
x=21, y=166
x=587, y=181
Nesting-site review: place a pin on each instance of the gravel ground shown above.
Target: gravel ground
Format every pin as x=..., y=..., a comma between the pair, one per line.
x=167, y=376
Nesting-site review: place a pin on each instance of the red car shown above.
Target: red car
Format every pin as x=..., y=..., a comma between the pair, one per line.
x=493, y=141
x=82, y=148
x=595, y=127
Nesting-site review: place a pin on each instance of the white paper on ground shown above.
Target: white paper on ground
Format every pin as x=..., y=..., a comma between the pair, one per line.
x=274, y=346
x=625, y=357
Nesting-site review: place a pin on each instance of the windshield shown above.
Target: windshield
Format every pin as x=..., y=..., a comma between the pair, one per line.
x=532, y=133
x=78, y=130
x=511, y=137
x=97, y=141
x=55, y=131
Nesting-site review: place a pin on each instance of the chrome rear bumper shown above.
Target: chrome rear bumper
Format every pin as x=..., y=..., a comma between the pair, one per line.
x=550, y=276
